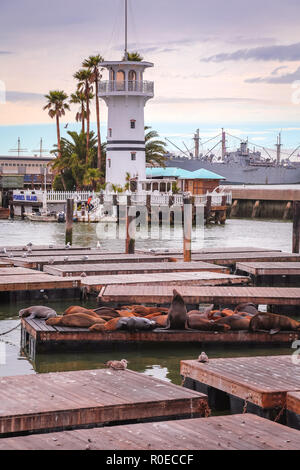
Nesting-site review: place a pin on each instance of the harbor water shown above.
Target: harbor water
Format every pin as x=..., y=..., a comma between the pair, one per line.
x=161, y=361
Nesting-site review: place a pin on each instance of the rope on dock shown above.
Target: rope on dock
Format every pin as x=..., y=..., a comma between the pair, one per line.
x=280, y=413
x=6, y=332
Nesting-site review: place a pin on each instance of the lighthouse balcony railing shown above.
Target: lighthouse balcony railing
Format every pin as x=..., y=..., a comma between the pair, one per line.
x=130, y=86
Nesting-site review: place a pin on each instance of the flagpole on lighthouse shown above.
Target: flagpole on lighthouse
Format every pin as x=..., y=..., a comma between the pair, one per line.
x=126, y=22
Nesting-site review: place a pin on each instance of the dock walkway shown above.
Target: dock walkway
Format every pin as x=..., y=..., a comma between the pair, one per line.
x=66, y=400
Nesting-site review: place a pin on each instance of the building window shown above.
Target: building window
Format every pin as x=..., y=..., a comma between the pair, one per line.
x=109, y=163
x=133, y=156
x=132, y=124
x=110, y=132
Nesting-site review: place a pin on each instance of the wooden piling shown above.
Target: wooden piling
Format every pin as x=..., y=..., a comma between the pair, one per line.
x=187, y=228
x=130, y=220
x=296, y=227
x=69, y=221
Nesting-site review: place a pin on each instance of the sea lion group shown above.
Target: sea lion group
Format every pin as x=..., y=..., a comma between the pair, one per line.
x=136, y=318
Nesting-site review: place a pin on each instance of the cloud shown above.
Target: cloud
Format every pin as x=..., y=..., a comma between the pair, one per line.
x=182, y=100
x=275, y=72
x=21, y=96
x=274, y=79
x=289, y=52
x=5, y=52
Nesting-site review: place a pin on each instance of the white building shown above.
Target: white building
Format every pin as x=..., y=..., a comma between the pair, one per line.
x=126, y=94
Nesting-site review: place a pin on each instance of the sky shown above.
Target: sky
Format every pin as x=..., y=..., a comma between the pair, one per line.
x=233, y=64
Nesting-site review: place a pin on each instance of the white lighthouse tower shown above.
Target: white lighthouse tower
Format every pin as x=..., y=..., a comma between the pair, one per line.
x=125, y=93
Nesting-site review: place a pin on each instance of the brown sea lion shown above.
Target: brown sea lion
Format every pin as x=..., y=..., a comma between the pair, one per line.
x=145, y=310
x=195, y=322
x=154, y=315
x=80, y=320
x=37, y=311
x=246, y=307
x=214, y=314
x=161, y=321
x=200, y=314
x=108, y=326
x=77, y=309
x=273, y=323
x=227, y=312
x=177, y=315
x=236, y=322
x=107, y=311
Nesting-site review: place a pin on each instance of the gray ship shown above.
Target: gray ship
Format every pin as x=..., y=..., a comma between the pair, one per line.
x=242, y=166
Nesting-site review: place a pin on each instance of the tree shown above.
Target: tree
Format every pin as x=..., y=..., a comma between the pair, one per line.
x=79, y=98
x=92, y=177
x=155, y=149
x=57, y=107
x=84, y=76
x=93, y=64
x=134, y=57
x=72, y=160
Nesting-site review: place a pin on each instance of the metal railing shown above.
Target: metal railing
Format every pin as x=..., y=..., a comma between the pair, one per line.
x=130, y=86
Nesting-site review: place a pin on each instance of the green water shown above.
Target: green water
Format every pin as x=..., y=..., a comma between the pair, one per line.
x=161, y=361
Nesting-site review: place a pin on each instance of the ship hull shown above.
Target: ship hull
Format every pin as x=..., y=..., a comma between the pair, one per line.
x=237, y=174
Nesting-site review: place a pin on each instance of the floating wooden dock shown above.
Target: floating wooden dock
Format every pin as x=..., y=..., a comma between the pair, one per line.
x=270, y=269
x=230, y=259
x=66, y=400
x=238, y=432
x=131, y=268
x=96, y=283
x=38, y=262
x=40, y=247
x=5, y=264
x=293, y=409
x=261, y=381
x=37, y=337
x=207, y=250
x=32, y=282
x=193, y=295
x=17, y=271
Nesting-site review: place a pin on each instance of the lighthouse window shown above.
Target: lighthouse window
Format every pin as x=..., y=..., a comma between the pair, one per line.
x=132, y=124
x=133, y=156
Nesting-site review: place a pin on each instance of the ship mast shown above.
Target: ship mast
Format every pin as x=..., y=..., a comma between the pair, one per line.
x=41, y=150
x=19, y=149
x=126, y=31
x=223, y=144
x=278, y=147
x=197, y=140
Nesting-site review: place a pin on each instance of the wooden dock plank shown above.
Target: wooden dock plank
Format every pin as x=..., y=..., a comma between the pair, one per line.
x=293, y=402
x=237, y=432
x=37, y=262
x=40, y=247
x=95, y=283
x=131, y=268
x=207, y=250
x=5, y=264
x=87, y=398
x=270, y=268
x=34, y=282
x=13, y=271
x=228, y=259
x=81, y=338
x=61, y=252
x=205, y=294
x=263, y=381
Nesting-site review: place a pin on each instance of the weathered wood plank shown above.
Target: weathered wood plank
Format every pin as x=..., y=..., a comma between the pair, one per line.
x=88, y=398
x=36, y=282
x=270, y=268
x=237, y=432
x=263, y=381
x=131, y=268
x=195, y=295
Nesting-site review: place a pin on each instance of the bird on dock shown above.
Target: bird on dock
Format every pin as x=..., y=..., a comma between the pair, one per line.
x=51, y=260
x=117, y=365
x=66, y=258
x=68, y=245
x=203, y=358
x=50, y=246
x=83, y=275
x=29, y=244
x=10, y=255
x=98, y=245
x=85, y=257
x=4, y=250
x=24, y=255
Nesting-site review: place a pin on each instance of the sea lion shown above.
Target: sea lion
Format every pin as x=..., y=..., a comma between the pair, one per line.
x=200, y=314
x=273, y=323
x=236, y=322
x=37, y=311
x=214, y=315
x=154, y=315
x=145, y=310
x=248, y=307
x=195, y=322
x=80, y=320
x=135, y=324
x=117, y=365
x=77, y=309
x=107, y=311
x=177, y=315
x=109, y=326
x=227, y=312
x=161, y=321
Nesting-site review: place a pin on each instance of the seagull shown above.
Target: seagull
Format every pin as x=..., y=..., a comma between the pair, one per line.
x=85, y=257
x=51, y=260
x=117, y=365
x=68, y=245
x=203, y=358
x=83, y=275
x=66, y=258
x=29, y=244
x=24, y=255
x=50, y=246
x=98, y=245
x=66, y=126
x=4, y=250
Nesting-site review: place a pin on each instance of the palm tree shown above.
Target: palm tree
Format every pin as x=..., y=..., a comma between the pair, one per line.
x=134, y=57
x=84, y=76
x=155, y=149
x=79, y=98
x=73, y=157
x=57, y=107
x=93, y=64
x=91, y=177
